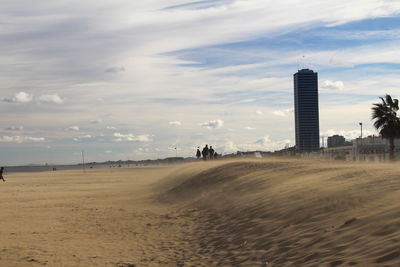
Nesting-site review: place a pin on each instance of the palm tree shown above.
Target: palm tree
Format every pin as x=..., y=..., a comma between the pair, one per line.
x=386, y=120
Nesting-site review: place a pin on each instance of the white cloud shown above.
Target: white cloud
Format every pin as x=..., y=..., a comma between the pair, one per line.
x=214, y=124
x=79, y=138
x=20, y=139
x=23, y=97
x=228, y=147
x=20, y=97
x=14, y=128
x=130, y=137
x=259, y=112
x=242, y=20
x=73, y=128
x=54, y=98
x=175, y=123
x=96, y=121
x=249, y=128
x=111, y=128
x=264, y=141
x=283, y=113
x=328, y=84
x=108, y=151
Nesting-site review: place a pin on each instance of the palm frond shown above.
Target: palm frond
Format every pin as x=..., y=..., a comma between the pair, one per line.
x=396, y=104
x=389, y=100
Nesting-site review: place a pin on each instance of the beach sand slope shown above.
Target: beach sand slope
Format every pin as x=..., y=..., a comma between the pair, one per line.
x=264, y=212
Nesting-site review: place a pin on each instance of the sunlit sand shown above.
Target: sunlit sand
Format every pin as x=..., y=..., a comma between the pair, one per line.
x=267, y=212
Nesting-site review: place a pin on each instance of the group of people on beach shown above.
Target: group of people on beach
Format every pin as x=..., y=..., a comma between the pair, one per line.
x=207, y=153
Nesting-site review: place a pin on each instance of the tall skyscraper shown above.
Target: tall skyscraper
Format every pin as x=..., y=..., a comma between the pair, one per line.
x=306, y=110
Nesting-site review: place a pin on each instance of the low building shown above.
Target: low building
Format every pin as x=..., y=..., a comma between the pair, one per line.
x=374, y=148
x=371, y=148
x=337, y=141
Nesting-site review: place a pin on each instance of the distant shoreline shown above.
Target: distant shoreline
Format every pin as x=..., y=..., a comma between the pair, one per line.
x=100, y=165
x=49, y=168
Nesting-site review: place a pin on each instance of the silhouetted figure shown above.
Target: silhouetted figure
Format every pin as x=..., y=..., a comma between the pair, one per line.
x=1, y=174
x=211, y=152
x=198, y=153
x=205, y=152
x=215, y=155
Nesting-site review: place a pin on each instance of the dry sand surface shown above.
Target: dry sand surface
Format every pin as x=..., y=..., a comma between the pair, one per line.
x=268, y=212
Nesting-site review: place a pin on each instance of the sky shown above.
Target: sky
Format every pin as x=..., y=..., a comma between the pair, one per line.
x=151, y=79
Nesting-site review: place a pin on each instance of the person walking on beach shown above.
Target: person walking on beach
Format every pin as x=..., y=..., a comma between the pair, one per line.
x=198, y=153
x=1, y=174
x=211, y=152
x=205, y=152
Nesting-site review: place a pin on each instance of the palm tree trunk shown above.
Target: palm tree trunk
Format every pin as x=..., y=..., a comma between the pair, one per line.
x=391, y=147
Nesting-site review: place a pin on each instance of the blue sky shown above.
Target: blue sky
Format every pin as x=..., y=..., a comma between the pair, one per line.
x=135, y=79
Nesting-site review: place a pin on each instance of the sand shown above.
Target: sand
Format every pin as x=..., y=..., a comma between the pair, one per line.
x=264, y=212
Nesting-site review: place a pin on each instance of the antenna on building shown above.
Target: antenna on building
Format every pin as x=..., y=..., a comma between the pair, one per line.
x=301, y=62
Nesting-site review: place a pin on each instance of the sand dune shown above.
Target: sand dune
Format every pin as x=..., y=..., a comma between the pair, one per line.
x=292, y=212
x=269, y=212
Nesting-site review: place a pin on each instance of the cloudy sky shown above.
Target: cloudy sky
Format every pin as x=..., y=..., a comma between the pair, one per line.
x=127, y=79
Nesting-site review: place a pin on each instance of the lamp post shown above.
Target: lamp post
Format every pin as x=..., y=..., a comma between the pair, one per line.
x=361, y=130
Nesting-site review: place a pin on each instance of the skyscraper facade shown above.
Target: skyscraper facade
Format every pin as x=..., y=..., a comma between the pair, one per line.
x=306, y=110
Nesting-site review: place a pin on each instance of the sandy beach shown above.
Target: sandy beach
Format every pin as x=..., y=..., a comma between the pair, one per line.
x=267, y=212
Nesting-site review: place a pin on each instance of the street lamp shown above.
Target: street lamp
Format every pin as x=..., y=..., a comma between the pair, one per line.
x=361, y=130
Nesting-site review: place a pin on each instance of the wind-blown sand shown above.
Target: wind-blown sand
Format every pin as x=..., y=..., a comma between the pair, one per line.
x=269, y=212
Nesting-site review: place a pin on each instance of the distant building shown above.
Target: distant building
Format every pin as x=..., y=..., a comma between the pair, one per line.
x=337, y=140
x=374, y=148
x=371, y=148
x=306, y=110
